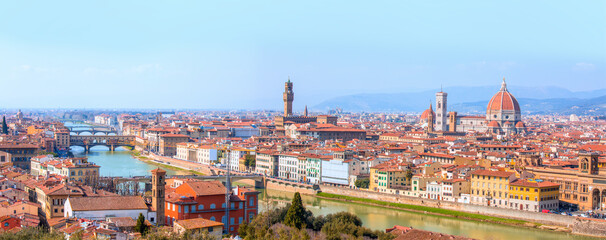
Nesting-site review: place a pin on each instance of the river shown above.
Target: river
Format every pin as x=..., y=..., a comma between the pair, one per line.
x=379, y=218
x=121, y=163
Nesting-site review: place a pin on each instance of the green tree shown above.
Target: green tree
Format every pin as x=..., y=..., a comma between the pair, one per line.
x=141, y=227
x=408, y=174
x=250, y=160
x=362, y=183
x=4, y=126
x=295, y=217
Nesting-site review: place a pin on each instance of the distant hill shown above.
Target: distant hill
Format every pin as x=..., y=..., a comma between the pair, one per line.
x=592, y=106
x=474, y=100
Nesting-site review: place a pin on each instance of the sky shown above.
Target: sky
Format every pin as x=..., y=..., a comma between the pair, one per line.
x=238, y=54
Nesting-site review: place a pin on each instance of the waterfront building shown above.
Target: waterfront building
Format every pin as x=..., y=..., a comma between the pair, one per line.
x=387, y=178
x=434, y=190
x=61, y=135
x=74, y=169
x=583, y=187
x=206, y=199
x=313, y=167
x=288, y=166
x=236, y=155
x=491, y=188
x=267, y=163
x=207, y=154
x=168, y=143
x=534, y=195
x=454, y=189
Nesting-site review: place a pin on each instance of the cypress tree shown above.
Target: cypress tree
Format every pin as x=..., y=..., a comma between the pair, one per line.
x=295, y=217
x=141, y=227
x=4, y=126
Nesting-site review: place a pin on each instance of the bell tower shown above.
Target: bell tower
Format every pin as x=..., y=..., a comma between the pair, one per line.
x=158, y=187
x=441, y=113
x=289, y=96
x=588, y=163
x=430, y=120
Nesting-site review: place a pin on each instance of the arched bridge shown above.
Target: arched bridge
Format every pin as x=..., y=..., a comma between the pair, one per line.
x=254, y=180
x=93, y=130
x=111, y=141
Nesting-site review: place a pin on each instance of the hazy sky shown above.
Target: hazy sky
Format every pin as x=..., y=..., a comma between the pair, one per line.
x=237, y=54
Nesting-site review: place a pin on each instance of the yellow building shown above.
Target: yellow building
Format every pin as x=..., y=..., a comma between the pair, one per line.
x=51, y=199
x=385, y=178
x=490, y=188
x=533, y=195
x=75, y=169
x=33, y=129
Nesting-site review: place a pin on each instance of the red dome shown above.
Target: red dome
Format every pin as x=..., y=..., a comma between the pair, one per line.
x=493, y=124
x=503, y=100
x=520, y=124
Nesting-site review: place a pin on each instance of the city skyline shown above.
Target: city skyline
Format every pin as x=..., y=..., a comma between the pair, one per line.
x=236, y=55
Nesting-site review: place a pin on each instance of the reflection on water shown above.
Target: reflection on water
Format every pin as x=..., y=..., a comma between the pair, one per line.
x=118, y=163
x=381, y=218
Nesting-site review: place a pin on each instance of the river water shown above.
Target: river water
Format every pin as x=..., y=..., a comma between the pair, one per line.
x=121, y=163
x=379, y=218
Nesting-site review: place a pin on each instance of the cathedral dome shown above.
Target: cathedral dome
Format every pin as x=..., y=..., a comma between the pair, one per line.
x=503, y=101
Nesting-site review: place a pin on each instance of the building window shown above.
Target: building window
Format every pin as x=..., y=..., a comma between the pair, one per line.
x=213, y=206
x=201, y=207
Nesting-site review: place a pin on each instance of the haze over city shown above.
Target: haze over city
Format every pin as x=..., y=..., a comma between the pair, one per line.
x=236, y=54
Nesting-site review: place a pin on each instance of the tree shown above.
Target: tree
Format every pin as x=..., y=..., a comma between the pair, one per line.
x=141, y=227
x=408, y=174
x=250, y=160
x=295, y=217
x=362, y=183
x=4, y=126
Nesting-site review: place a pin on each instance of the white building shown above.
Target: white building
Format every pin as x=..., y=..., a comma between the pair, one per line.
x=288, y=167
x=335, y=171
x=207, y=154
x=100, y=208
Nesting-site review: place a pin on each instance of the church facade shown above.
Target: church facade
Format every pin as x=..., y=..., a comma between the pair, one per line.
x=503, y=116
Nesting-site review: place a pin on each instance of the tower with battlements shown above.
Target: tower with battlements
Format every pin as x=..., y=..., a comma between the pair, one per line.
x=289, y=96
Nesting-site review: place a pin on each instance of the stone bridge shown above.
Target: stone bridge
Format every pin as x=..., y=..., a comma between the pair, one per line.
x=253, y=180
x=111, y=141
x=93, y=130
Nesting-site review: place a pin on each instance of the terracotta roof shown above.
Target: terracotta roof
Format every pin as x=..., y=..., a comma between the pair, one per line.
x=107, y=203
x=527, y=183
x=197, y=223
x=492, y=173
x=202, y=188
x=503, y=101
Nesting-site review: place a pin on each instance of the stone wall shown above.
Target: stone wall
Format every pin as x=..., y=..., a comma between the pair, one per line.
x=591, y=227
x=544, y=218
x=289, y=188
